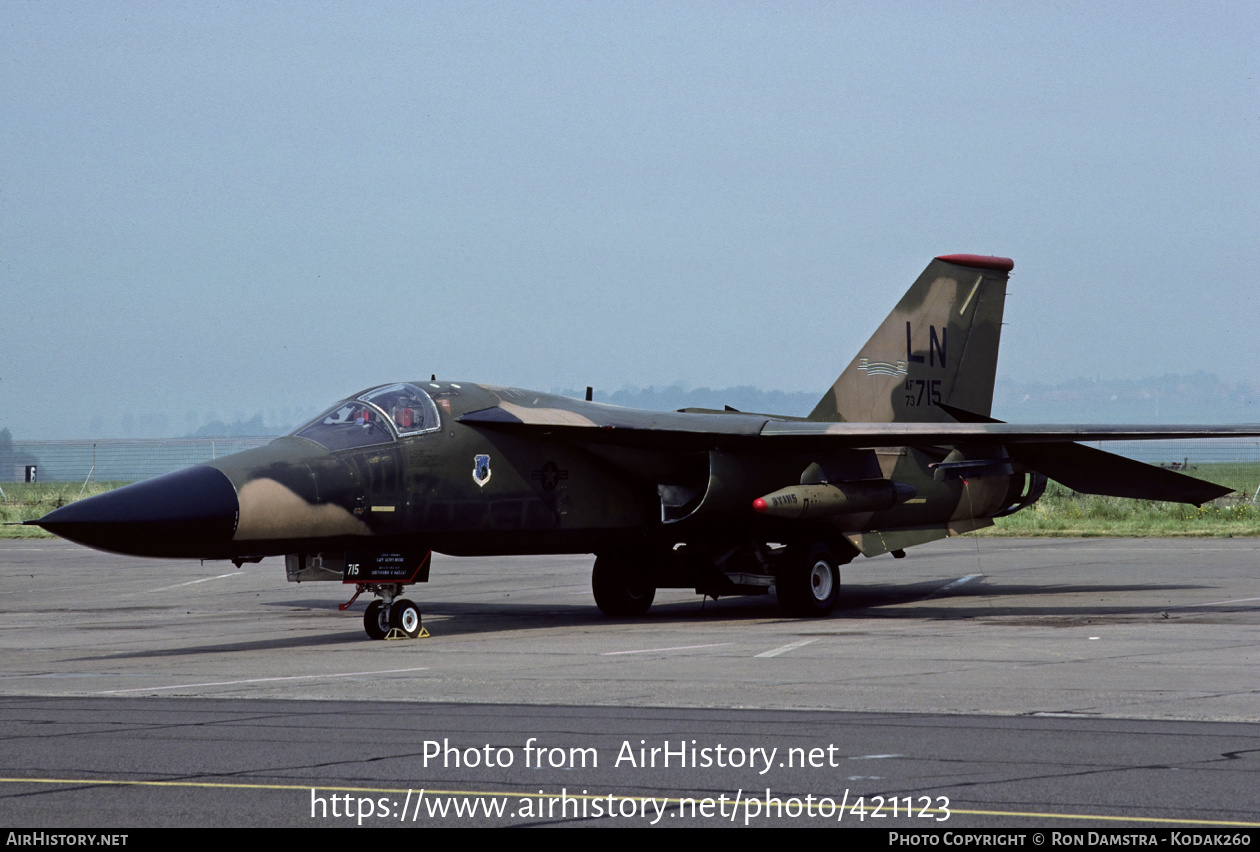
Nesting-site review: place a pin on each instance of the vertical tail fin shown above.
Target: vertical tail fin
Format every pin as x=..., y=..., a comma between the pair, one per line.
x=940, y=344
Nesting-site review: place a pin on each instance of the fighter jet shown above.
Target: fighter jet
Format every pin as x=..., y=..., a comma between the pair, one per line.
x=901, y=450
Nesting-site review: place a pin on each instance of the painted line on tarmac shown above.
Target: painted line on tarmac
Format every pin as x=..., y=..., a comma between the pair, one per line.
x=195, y=582
x=655, y=650
x=520, y=794
x=783, y=649
x=943, y=589
x=1214, y=603
x=261, y=680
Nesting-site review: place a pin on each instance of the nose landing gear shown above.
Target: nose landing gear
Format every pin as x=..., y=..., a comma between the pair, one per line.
x=384, y=574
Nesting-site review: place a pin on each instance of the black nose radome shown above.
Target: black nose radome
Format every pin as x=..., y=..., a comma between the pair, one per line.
x=189, y=513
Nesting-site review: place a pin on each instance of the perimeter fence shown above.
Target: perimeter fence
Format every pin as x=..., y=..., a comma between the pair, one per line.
x=1186, y=453
x=115, y=460
x=1234, y=462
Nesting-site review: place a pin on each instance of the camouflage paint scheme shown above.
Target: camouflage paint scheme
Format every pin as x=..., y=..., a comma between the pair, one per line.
x=900, y=451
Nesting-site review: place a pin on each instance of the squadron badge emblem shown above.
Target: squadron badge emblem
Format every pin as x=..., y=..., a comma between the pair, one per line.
x=481, y=469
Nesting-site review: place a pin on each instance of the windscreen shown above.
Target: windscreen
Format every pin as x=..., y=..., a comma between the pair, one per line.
x=349, y=424
x=367, y=420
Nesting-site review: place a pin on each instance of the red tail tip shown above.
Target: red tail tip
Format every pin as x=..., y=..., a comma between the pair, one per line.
x=759, y=505
x=1002, y=264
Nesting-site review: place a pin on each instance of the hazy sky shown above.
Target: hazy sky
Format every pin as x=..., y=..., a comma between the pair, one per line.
x=220, y=209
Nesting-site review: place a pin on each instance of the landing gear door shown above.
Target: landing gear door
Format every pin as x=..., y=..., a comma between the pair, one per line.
x=399, y=567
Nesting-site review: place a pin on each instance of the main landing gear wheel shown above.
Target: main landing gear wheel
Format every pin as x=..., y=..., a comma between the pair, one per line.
x=376, y=620
x=404, y=616
x=808, y=583
x=621, y=586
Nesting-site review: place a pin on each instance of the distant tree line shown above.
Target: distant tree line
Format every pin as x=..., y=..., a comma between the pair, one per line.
x=12, y=460
x=251, y=428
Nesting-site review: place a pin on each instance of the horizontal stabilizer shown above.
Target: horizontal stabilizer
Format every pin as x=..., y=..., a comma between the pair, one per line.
x=1092, y=471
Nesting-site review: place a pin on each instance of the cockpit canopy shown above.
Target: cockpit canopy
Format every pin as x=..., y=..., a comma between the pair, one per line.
x=376, y=416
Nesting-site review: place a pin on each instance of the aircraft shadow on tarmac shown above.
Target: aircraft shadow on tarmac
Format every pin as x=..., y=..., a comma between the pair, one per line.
x=912, y=602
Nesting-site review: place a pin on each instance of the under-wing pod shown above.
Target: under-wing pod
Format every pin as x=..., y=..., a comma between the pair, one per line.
x=834, y=498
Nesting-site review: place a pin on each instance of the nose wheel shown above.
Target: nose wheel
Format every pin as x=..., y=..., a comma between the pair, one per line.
x=404, y=616
x=393, y=618
x=376, y=620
